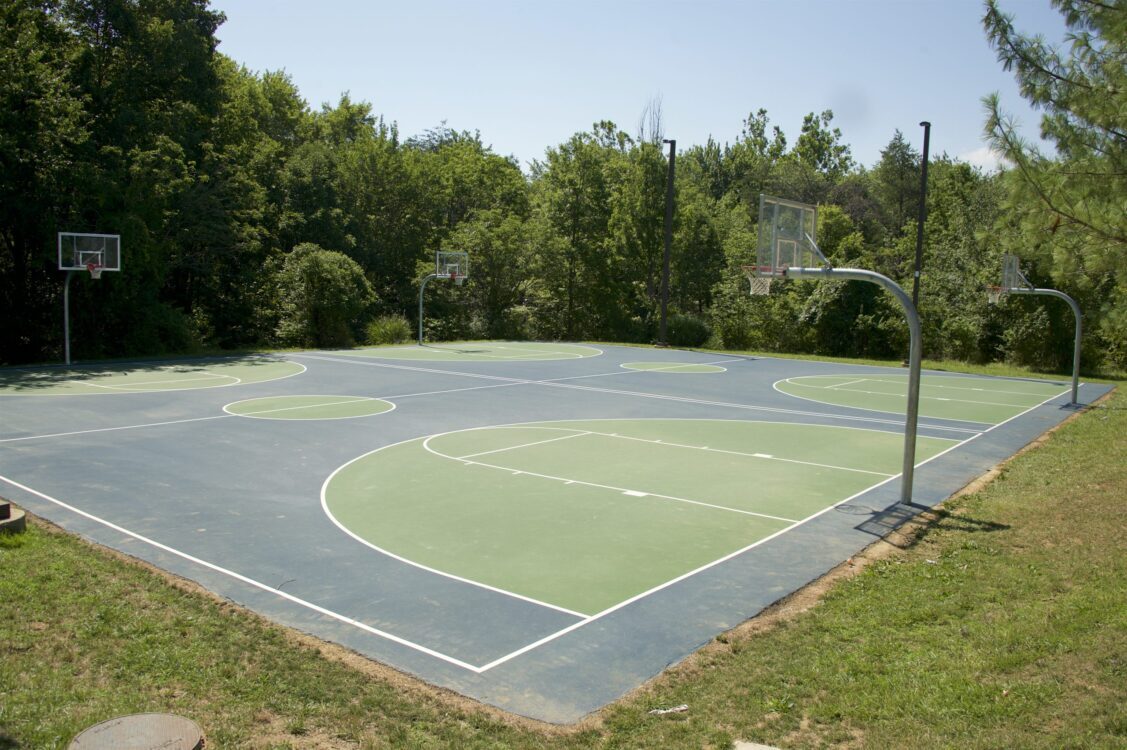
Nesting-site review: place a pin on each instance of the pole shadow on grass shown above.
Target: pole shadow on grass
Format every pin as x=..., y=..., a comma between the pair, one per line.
x=881, y=523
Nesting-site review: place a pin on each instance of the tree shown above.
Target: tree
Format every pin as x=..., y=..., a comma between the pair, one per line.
x=897, y=181
x=42, y=133
x=1068, y=209
x=576, y=186
x=325, y=298
x=821, y=148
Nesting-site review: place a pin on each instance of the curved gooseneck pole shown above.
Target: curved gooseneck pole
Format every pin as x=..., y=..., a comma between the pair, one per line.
x=912, y=418
x=1076, y=342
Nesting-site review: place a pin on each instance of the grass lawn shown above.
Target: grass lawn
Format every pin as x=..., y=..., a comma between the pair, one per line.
x=999, y=621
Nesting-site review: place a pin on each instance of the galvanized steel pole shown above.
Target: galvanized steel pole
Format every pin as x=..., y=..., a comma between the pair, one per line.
x=668, y=240
x=911, y=419
x=1076, y=339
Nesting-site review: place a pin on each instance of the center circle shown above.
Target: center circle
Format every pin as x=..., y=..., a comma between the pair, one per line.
x=309, y=407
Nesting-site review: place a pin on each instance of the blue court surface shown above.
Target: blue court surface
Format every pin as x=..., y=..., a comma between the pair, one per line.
x=540, y=526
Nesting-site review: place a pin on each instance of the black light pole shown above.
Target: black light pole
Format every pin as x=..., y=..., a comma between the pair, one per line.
x=668, y=239
x=922, y=218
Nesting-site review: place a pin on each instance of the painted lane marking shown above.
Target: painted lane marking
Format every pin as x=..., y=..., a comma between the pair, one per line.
x=517, y=447
x=112, y=429
x=560, y=383
x=596, y=485
x=250, y=581
x=904, y=395
x=593, y=618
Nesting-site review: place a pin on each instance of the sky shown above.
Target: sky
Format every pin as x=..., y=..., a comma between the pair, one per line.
x=529, y=74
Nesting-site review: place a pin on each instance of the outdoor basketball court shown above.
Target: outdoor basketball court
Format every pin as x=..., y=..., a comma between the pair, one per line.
x=542, y=527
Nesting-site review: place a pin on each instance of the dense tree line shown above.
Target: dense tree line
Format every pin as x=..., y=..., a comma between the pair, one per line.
x=248, y=218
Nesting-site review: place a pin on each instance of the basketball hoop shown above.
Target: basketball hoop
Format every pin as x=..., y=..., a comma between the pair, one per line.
x=94, y=269
x=457, y=278
x=760, y=283
x=994, y=294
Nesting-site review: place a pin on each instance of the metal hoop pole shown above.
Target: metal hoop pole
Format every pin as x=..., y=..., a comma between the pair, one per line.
x=1076, y=339
x=914, y=355
x=66, y=317
x=422, y=288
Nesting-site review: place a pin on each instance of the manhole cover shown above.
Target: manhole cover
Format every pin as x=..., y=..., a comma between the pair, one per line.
x=141, y=732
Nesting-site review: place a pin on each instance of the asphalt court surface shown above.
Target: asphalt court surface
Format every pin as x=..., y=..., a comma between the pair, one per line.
x=541, y=527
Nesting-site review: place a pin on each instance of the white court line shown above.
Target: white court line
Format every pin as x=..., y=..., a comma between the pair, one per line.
x=560, y=383
x=933, y=384
x=112, y=429
x=354, y=400
x=249, y=581
x=901, y=381
x=622, y=490
x=775, y=386
x=904, y=395
x=526, y=445
x=575, y=626
x=525, y=649
x=413, y=563
x=762, y=456
x=669, y=368
x=851, y=382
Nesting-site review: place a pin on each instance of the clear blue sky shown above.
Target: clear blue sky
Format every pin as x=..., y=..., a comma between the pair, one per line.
x=528, y=74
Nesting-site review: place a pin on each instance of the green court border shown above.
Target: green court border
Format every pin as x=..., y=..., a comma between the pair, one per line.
x=59, y=388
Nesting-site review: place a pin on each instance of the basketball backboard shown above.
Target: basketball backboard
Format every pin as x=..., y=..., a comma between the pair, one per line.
x=786, y=236
x=81, y=251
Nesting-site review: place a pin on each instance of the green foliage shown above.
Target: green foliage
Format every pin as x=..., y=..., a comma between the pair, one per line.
x=1066, y=211
x=324, y=298
x=686, y=330
x=123, y=118
x=389, y=329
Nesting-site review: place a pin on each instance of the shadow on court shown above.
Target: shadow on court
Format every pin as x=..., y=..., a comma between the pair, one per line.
x=18, y=380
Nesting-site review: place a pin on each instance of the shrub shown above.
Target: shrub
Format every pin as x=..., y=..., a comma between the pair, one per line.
x=686, y=330
x=518, y=323
x=389, y=329
x=324, y=298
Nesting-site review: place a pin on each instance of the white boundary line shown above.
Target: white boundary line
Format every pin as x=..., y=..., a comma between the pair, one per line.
x=381, y=550
x=560, y=383
x=113, y=429
x=437, y=654
x=478, y=584
x=247, y=580
x=604, y=613
x=529, y=647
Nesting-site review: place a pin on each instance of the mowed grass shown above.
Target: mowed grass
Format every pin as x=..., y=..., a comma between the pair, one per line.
x=999, y=623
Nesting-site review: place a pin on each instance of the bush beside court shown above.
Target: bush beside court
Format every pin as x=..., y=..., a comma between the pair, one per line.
x=998, y=622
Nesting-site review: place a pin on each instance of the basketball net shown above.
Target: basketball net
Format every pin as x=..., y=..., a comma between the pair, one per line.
x=94, y=269
x=760, y=285
x=994, y=294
